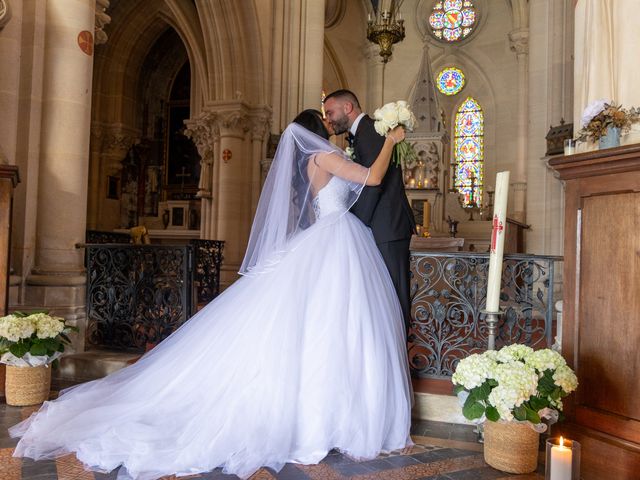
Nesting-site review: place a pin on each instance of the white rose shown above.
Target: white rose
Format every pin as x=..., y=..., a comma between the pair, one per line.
x=390, y=115
x=404, y=115
x=381, y=128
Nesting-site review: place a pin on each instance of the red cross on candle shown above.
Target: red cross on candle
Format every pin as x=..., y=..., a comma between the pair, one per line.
x=85, y=42
x=226, y=155
x=497, y=228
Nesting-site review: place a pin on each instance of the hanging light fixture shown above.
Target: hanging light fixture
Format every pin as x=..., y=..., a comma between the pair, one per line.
x=387, y=28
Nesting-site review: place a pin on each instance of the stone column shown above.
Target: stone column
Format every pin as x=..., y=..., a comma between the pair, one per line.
x=233, y=181
x=260, y=122
x=205, y=133
x=231, y=139
x=297, y=58
x=519, y=43
x=58, y=280
x=550, y=100
x=375, y=72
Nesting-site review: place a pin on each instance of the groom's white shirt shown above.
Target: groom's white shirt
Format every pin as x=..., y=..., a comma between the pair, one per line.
x=354, y=127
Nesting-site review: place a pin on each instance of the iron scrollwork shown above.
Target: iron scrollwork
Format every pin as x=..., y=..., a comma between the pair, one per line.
x=448, y=292
x=206, y=272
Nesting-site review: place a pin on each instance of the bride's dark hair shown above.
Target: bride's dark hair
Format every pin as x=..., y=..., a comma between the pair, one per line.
x=311, y=119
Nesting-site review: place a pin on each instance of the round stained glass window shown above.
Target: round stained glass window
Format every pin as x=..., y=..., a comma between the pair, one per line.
x=450, y=80
x=452, y=20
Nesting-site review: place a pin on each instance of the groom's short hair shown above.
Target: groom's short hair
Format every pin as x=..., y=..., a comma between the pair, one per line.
x=344, y=94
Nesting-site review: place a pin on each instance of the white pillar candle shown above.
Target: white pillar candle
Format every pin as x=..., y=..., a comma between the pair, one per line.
x=561, y=462
x=497, y=242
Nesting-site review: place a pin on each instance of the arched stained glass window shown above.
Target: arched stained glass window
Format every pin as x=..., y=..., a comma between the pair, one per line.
x=450, y=80
x=469, y=151
x=452, y=20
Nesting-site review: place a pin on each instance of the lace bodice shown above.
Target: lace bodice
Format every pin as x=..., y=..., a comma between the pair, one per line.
x=331, y=198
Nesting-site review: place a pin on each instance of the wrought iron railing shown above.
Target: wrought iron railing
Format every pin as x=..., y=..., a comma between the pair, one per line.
x=206, y=271
x=448, y=293
x=140, y=294
x=98, y=236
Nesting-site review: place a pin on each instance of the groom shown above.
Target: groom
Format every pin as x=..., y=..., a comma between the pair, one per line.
x=383, y=208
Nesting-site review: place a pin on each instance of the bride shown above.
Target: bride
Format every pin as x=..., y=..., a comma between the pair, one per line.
x=303, y=354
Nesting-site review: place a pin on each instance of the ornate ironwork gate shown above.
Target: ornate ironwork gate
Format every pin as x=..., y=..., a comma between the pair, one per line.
x=140, y=294
x=449, y=290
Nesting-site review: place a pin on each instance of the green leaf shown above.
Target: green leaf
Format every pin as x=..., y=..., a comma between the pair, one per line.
x=492, y=414
x=38, y=349
x=520, y=413
x=538, y=403
x=21, y=314
x=483, y=391
x=19, y=349
x=532, y=415
x=546, y=385
x=472, y=411
x=51, y=343
x=457, y=389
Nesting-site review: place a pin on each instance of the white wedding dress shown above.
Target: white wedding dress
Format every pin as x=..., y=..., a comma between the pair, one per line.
x=281, y=367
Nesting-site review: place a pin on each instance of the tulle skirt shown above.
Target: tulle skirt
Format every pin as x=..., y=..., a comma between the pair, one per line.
x=282, y=367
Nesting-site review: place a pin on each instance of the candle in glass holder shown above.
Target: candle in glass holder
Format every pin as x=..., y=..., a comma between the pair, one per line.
x=569, y=146
x=426, y=215
x=412, y=183
x=561, y=462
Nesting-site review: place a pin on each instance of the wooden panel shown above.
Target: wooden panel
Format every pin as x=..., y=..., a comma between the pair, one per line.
x=9, y=178
x=609, y=312
x=601, y=292
x=603, y=456
x=6, y=191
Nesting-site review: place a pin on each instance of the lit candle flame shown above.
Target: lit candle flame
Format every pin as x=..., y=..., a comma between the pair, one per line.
x=561, y=441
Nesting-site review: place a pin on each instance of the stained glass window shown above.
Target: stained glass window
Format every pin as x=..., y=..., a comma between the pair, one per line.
x=450, y=80
x=452, y=20
x=469, y=151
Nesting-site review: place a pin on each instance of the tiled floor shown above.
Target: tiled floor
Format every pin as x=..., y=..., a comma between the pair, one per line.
x=442, y=451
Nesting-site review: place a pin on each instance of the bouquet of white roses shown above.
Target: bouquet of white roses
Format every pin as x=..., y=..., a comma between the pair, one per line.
x=32, y=339
x=389, y=117
x=515, y=382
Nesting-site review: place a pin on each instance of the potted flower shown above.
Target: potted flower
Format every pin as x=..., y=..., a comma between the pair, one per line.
x=29, y=344
x=604, y=121
x=513, y=389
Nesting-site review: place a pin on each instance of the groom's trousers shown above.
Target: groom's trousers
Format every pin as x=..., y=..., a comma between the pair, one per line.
x=396, y=258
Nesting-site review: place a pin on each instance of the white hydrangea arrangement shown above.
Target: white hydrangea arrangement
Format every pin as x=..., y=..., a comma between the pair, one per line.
x=32, y=339
x=388, y=117
x=514, y=383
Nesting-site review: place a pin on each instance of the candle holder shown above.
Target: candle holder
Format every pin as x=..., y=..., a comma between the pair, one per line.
x=492, y=319
x=562, y=459
x=453, y=226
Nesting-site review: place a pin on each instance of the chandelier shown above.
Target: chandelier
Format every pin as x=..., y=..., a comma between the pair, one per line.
x=386, y=28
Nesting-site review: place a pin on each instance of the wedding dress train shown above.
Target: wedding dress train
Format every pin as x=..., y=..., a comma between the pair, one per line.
x=281, y=367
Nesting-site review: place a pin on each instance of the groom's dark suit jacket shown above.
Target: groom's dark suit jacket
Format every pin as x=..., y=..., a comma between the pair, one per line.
x=384, y=208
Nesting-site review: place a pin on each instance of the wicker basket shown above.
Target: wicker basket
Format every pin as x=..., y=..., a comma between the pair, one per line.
x=511, y=447
x=27, y=385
